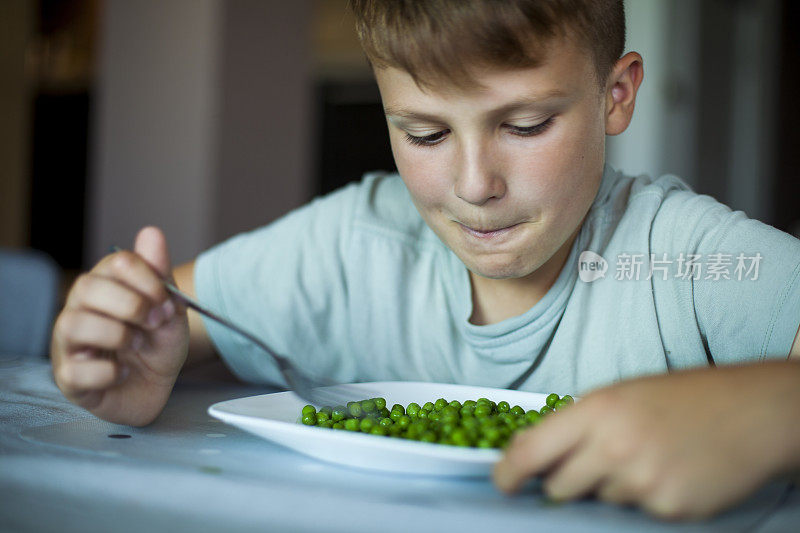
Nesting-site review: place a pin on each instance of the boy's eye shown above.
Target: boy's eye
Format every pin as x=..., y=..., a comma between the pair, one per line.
x=427, y=140
x=529, y=131
x=521, y=131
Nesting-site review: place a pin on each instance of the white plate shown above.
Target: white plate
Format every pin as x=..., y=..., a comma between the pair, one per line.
x=274, y=417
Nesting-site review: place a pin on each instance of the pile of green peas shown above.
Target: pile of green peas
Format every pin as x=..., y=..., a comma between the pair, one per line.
x=478, y=423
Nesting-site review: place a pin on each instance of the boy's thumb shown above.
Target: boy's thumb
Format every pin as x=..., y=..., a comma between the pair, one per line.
x=151, y=244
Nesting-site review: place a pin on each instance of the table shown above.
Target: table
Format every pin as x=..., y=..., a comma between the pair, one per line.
x=61, y=471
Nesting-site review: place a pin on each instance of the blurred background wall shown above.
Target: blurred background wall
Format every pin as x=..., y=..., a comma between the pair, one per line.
x=211, y=117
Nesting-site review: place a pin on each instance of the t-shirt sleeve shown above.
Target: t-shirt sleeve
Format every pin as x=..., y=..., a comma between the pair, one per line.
x=286, y=284
x=745, y=285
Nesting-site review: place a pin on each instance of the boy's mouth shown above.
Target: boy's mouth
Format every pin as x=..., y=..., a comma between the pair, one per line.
x=487, y=233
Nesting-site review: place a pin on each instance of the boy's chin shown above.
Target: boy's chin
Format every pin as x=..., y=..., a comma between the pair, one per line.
x=500, y=271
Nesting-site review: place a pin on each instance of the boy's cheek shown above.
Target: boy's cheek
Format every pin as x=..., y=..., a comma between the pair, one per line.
x=427, y=181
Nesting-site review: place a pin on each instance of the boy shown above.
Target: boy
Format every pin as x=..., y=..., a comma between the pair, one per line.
x=468, y=267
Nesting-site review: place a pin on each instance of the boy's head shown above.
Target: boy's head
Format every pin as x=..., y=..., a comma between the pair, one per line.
x=440, y=41
x=497, y=113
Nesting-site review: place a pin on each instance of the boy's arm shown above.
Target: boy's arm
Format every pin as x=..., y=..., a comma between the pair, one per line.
x=685, y=445
x=200, y=347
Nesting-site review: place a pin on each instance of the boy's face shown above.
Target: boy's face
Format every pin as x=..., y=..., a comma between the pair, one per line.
x=504, y=174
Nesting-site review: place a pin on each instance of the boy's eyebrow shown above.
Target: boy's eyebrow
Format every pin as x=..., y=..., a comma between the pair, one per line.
x=526, y=101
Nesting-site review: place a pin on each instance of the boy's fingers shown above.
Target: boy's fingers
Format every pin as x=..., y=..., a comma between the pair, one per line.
x=616, y=490
x=151, y=244
x=127, y=268
x=579, y=474
x=537, y=449
x=109, y=297
x=635, y=482
x=77, y=376
x=80, y=329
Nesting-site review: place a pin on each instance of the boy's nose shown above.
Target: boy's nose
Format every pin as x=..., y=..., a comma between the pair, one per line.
x=478, y=178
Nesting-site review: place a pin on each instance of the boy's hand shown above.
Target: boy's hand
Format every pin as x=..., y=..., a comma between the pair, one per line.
x=120, y=341
x=681, y=446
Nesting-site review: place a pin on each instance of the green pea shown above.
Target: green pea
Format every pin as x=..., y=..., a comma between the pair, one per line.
x=560, y=404
x=483, y=410
x=428, y=436
x=449, y=410
x=487, y=421
x=447, y=428
x=551, y=399
x=459, y=437
x=449, y=413
x=470, y=424
x=493, y=434
x=339, y=413
x=355, y=410
x=449, y=419
x=422, y=424
x=482, y=423
x=379, y=430
x=368, y=406
x=532, y=417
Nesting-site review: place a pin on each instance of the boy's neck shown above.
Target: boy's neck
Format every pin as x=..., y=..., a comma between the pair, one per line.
x=495, y=300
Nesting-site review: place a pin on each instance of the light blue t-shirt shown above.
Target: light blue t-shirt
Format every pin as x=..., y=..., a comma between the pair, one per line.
x=357, y=287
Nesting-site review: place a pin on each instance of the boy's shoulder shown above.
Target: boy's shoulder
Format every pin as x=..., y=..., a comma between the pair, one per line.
x=663, y=199
x=670, y=215
x=625, y=189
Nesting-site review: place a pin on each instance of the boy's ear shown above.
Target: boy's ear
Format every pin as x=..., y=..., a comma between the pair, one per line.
x=623, y=83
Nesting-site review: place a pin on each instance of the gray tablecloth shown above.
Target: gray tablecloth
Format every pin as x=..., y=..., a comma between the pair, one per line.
x=60, y=471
